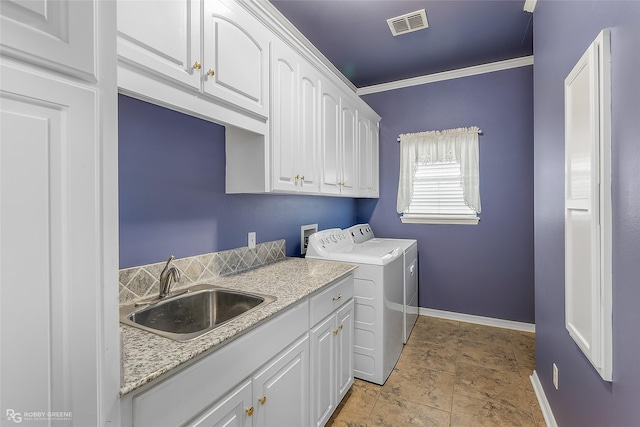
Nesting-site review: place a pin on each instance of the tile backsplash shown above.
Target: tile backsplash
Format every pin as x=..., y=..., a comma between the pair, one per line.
x=141, y=282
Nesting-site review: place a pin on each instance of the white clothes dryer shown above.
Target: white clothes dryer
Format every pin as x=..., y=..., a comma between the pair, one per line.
x=378, y=297
x=363, y=234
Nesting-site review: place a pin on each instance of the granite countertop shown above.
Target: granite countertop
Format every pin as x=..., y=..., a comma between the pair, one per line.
x=146, y=356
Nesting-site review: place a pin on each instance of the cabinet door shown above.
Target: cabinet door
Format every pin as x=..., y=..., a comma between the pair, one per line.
x=233, y=410
x=373, y=160
x=236, y=56
x=283, y=119
x=323, y=371
x=50, y=223
x=363, y=155
x=330, y=140
x=55, y=34
x=281, y=389
x=161, y=36
x=308, y=130
x=344, y=350
x=588, y=307
x=348, y=148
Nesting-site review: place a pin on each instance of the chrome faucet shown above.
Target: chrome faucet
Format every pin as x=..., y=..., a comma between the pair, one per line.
x=168, y=277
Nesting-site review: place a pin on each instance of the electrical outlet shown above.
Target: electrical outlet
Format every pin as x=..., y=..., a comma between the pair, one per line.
x=555, y=376
x=251, y=240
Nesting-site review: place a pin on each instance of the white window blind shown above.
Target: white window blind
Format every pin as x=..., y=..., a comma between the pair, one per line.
x=437, y=191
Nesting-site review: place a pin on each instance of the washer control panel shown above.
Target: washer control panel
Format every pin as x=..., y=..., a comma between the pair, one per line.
x=360, y=233
x=330, y=240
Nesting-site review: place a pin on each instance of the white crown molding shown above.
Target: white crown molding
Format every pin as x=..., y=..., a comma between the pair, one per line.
x=448, y=75
x=549, y=419
x=481, y=320
x=274, y=18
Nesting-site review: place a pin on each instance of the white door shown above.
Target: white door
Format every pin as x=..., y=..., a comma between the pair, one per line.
x=587, y=206
x=344, y=350
x=363, y=155
x=54, y=34
x=308, y=127
x=373, y=160
x=323, y=371
x=281, y=389
x=236, y=57
x=162, y=36
x=50, y=267
x=330, y=141
x=284, y=111
x=348, y=149
x=233, y=410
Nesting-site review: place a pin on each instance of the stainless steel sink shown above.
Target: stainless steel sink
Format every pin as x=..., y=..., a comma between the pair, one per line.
x=192, y=313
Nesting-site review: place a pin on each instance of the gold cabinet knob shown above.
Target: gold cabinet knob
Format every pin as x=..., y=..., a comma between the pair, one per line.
x=341, y=326
x=336, y=298
x=297, y=177
x=249, y=411
x=302, y=178
x=262, y=400
x=197, y=65
x=335, y=332
x=210, y=73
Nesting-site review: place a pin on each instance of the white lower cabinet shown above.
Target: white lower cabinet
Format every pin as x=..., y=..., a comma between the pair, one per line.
x=276, y=396
x=230, y=411
x=253, y=382
x=331, y=355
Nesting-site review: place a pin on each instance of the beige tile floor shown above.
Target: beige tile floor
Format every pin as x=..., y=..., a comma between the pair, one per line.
x=451, y=374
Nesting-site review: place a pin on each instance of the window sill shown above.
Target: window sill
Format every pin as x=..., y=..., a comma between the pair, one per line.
x=444, y=219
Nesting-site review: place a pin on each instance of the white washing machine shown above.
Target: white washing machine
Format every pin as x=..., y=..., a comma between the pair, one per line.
x=378, y=296
x=363, y=234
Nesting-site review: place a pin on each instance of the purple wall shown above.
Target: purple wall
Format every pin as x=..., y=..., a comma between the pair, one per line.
x=487, y=269
x=172, y=200
x=563, y=31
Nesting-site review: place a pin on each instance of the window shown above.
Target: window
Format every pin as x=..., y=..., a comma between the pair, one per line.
x=439, y=177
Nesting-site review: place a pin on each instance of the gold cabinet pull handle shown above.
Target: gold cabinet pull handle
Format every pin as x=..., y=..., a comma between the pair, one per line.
x=337, y=298
x=249, y=411
x=210, y=73
x=262, y=400
x=197, y=65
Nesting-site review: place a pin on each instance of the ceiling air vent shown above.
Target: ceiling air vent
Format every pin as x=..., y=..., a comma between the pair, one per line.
x=409, y=22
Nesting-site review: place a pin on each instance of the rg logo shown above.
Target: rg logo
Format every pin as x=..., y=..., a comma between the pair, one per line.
x=14, y=416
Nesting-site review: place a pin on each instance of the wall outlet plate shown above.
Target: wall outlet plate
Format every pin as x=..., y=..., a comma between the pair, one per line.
x=305, y=232
x=251, y=240
x=555, y=376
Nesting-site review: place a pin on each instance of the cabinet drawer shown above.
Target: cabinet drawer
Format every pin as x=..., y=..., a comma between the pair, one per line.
x=330, y=299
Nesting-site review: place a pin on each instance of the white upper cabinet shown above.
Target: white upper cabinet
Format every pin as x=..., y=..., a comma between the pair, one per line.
x=348, y=141
x=236, y=56
x=330, y=158
x=294, y=122
x=367, y=150
x=171, y=50
x=163, y=37
x=53, y=34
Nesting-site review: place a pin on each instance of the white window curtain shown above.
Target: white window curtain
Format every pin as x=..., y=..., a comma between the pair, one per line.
x=447, y=146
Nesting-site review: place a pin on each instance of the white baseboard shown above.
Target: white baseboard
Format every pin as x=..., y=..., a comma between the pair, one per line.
x=542, y=401
x=470, y=318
